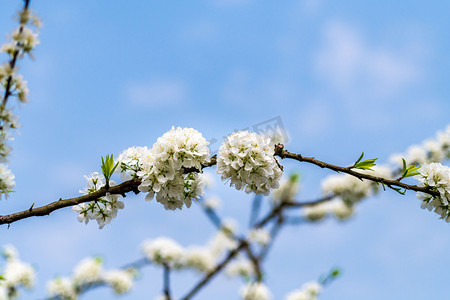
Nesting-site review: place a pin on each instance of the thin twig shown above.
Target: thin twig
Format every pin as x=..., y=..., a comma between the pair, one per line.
x=167, y=281
x=12, y=63
x=279, y=151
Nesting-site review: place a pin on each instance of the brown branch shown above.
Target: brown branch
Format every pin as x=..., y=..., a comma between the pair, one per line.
x=216, y=270
x=227, y=259
x=255, y=261
x=12, y=63
x=279, y=151
x=132, y=185
x=122, y=189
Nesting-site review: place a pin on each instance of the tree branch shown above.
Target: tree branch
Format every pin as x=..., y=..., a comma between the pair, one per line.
x=12, y=63
x=122, y=189
x=279, y=151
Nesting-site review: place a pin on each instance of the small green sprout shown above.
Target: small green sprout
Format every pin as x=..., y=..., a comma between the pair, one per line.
x=108, y=167
x=332, y=275
x=409, y=171
x=365, y=164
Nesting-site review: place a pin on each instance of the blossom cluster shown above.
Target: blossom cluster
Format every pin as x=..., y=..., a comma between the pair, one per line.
x=336, y=207
x=435, y=149
x=165, y=251
x=104, y=209
x=255, y=291
x=171, y=171
x=88, y=272
x=309, y=291
x=16, y=274
x=162, y=168
x=247, y=160
x=347, y=190
x=436, y=177
x=241, y=267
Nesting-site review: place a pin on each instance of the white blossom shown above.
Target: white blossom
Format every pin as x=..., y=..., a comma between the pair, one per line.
x=163, y=174
x=309, y=291
x=10, y=252
x=132, y=161
x=351, y=189
x=103, y=210
x=163, y=251
x=434, y=150
x=247, y=160
x=212, y=202
x=340, y=209
x=240, y=267
x=316, y=212
x=255, y=291
x=221, y=242
x=4, y=293
x=7, y=182
x=259, y=235
x=62, y=287
x=436, y=177
x=199, y=258
x=18, y=273
x=89, y=270
x=121, y=281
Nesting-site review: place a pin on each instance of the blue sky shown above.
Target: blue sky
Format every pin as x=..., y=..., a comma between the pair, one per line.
x=344, y=77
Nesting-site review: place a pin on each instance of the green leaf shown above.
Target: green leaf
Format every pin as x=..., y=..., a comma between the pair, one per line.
x=2, y=277
x=398, y=190
x=326, y=279
x=108, y=166
x=359, y=158
x=365, y=164
x=409, y=171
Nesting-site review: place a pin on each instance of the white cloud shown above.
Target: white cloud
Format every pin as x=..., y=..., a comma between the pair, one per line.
x=154, y=93
x=353, y=67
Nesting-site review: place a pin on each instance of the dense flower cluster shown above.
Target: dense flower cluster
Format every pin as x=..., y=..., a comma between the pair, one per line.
x=255, y=291
x=132, y=161
x=247, y=160
x=103, y=210
x=16, y=274
x=90, y=271
x=309, y=291
x=162, y=172
x=435, y=149
x=436, y=177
